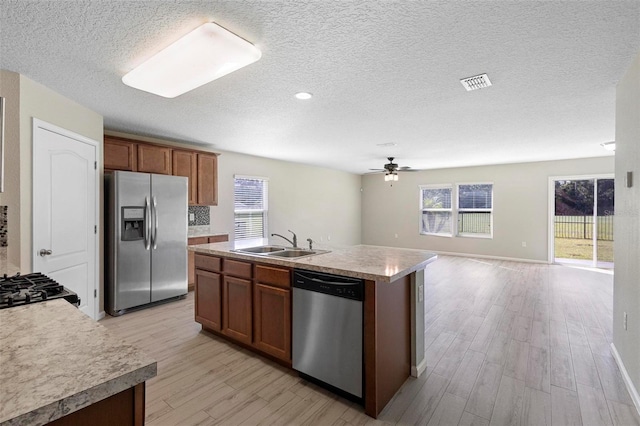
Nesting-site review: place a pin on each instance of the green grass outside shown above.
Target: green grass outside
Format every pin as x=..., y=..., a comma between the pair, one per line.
x=570, y=248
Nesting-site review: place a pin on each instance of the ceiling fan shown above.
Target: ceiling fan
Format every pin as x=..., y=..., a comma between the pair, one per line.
x=391, y=170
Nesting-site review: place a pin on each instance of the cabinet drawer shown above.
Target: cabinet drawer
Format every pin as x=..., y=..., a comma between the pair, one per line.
x=275, y=276
x=237, y=268
x=208, y=263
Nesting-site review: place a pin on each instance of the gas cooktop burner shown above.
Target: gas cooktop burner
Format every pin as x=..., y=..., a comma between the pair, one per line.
x=31, y=288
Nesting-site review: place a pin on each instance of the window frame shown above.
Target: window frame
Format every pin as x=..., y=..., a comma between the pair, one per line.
x=451, y=210
x=459, y=210
x=264, y=210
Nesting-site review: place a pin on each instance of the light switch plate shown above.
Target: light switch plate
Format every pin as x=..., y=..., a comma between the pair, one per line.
x=629, y=179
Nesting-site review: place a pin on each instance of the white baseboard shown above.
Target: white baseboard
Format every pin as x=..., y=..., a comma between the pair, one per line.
x=416, y=371
x=635, y=397
x=484, y=256
x=101, y=315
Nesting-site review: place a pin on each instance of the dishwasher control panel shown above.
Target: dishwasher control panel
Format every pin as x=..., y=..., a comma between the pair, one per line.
x=335, y=285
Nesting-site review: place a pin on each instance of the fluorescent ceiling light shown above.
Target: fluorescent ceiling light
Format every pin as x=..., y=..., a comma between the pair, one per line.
x=303, y=95
x=205, y=54
x=609, y=146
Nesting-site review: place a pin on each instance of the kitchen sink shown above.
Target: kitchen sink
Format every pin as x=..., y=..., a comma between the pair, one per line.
x=292, y=253
x=278, y=251
x=260, y=249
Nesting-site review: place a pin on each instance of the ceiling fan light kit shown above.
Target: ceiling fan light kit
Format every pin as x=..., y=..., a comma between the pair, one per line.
x=205, y=54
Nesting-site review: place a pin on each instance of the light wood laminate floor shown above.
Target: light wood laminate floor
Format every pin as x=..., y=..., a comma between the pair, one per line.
x=507, y=343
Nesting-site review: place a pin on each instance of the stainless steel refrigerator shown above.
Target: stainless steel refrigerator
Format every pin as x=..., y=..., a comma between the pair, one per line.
x=146, y=239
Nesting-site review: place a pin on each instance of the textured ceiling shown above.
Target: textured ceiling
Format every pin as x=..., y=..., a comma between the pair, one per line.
x=380, y=72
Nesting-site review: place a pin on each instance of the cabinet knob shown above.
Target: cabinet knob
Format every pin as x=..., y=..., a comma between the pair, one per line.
x=44, y=252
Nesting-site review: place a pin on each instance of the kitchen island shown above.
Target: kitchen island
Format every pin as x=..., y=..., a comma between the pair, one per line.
x=61, y=367
x=393, y=322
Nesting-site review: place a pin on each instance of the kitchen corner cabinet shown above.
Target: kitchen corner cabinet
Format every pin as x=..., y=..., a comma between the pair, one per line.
x=254, y=301
x=154, y=159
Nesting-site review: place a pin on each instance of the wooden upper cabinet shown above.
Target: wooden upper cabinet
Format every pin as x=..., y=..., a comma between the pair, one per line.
x=208, y=179
x=184, y=164
x=154, y=159
x=120, y=154
x=201, y=168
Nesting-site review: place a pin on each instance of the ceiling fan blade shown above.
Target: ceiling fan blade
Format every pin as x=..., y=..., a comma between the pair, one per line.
x=377, y=170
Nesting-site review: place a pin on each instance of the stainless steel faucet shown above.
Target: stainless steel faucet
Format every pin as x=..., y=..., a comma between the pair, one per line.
x=310, y=243
x=294, y=243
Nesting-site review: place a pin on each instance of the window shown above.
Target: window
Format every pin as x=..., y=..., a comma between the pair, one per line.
x=250, y=207
x=475, y=209
x=436, y=210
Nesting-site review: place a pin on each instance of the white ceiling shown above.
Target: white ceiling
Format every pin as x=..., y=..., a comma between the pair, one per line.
x=380, y=72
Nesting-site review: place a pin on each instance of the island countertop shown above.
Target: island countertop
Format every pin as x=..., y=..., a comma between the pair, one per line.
x=56, y=360
x=377, y=263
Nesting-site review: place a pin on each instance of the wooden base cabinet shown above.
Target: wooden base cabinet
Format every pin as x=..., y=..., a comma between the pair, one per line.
x=191, y=258
x=123, y=409
x=208, y=303
x=272, y=320
x=255, y=301
x=236, y=307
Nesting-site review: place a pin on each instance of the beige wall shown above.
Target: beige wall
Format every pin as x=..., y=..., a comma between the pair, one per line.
x=626, y=293
x=313, y=202
x=520, y=207
x=10, y=90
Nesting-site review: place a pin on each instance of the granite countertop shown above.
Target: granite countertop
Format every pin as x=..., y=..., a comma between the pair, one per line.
x=56, y=360
x=384, y=264
x=203, y=231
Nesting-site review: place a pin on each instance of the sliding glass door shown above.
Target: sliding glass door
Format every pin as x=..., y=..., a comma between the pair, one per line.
x=583, y=221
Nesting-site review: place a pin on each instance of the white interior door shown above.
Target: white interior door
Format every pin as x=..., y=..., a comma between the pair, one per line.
x=65, y=210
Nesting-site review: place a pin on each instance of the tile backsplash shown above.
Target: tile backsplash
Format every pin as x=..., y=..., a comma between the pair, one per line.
x=3, y=226
x=201, y=215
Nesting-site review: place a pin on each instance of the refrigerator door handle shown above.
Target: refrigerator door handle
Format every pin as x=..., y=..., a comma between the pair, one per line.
x=154, y=235
x=147, y=220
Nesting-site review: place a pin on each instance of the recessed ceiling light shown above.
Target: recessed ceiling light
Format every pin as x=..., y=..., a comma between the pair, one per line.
x=476, y=82
x=609, y=146
x=303, y=95
x=205, y=54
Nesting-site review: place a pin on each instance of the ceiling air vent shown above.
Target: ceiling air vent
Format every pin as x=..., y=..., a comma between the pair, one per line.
x=476, y=82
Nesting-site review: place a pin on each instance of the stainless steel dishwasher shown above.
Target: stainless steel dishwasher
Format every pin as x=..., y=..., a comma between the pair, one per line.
x=327, y=330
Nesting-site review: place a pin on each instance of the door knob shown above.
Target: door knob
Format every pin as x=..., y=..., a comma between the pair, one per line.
x=44, y=252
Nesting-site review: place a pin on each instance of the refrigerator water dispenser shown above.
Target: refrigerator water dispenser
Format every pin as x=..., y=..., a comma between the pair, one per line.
x=132, y=223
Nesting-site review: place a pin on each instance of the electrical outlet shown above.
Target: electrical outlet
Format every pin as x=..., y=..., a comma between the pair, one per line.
x=524, y=244
x=396, y=235
x=192, y=217
x=420, y=293
x=328, y=237
x=624, y=323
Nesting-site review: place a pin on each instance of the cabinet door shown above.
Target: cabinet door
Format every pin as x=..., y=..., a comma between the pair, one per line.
x=272, y=319
x=119, y=154
x=207, y=179
x=191, y=257
x=237, y=309
x=154, y=159
x=184, y=164
x=208, y=302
